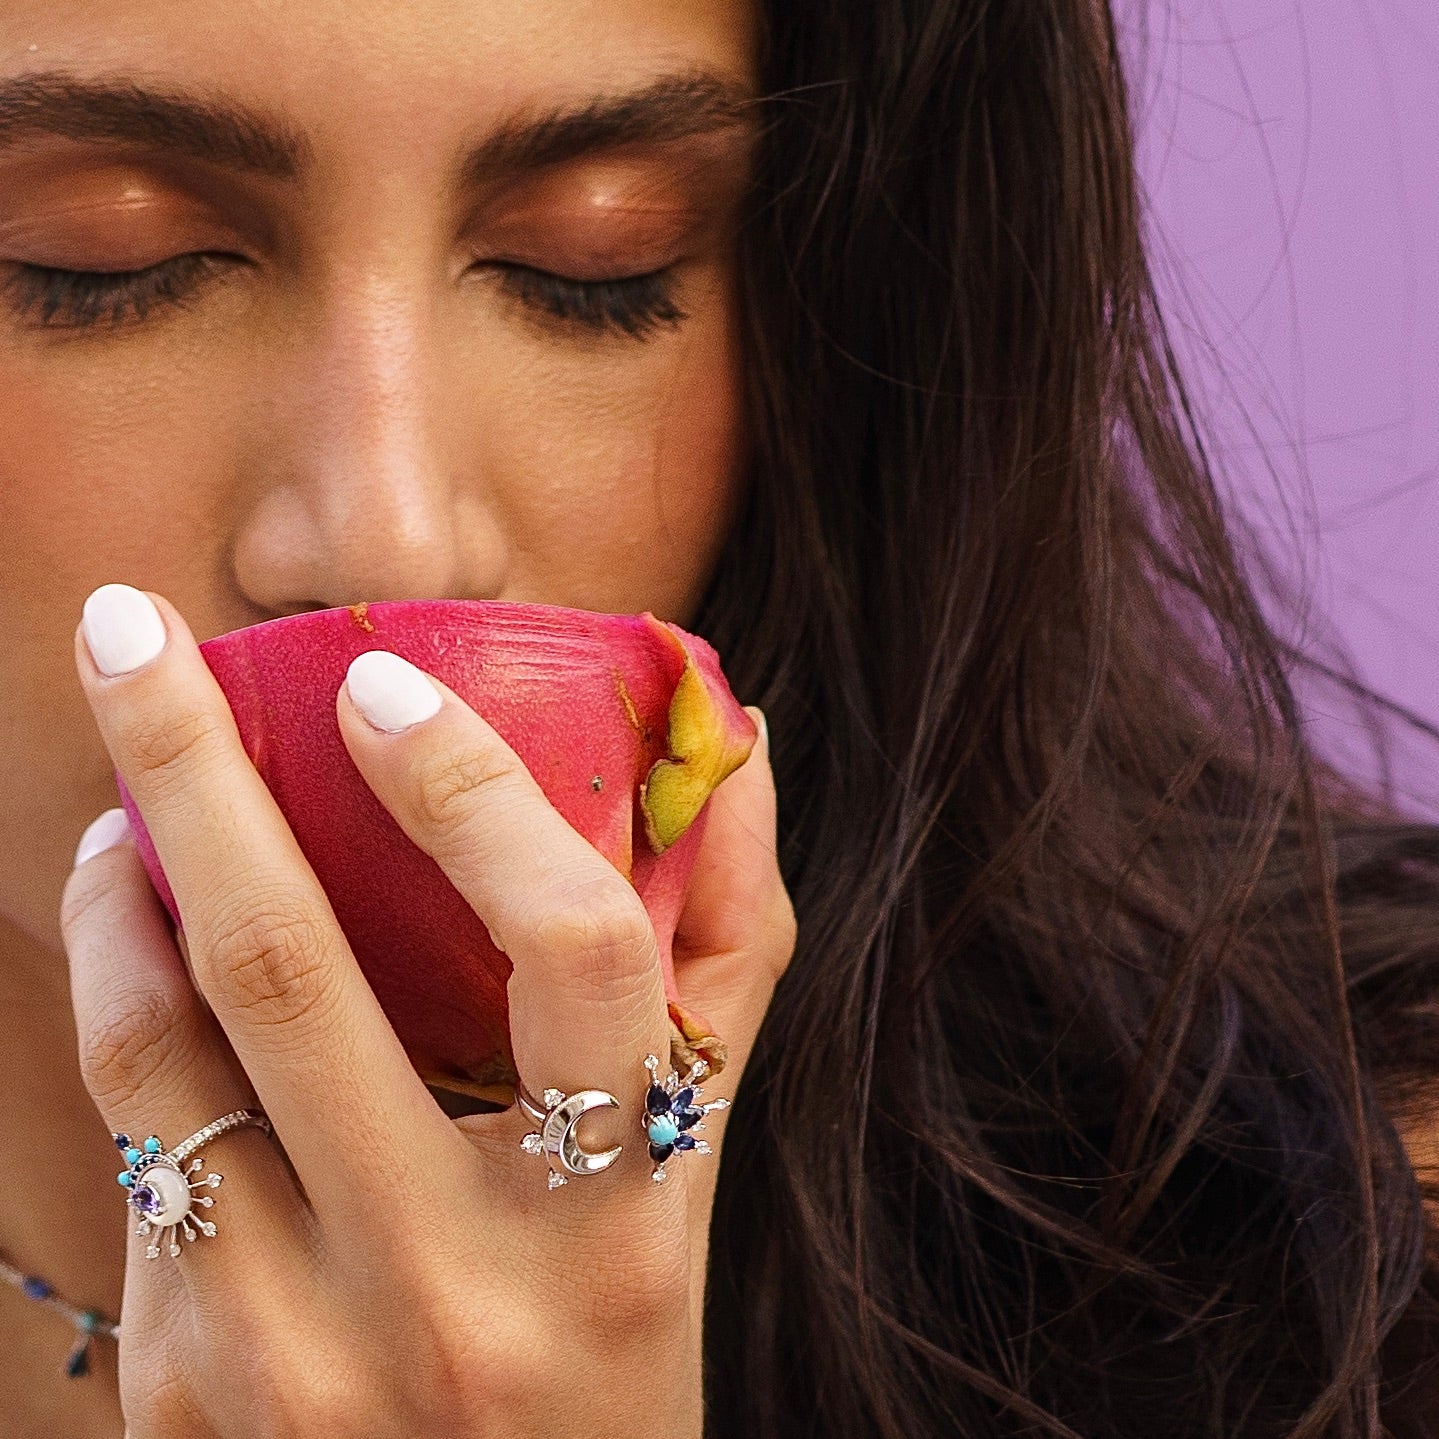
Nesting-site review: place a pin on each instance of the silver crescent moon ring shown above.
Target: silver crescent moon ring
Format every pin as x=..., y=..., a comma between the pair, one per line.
x=556, y=1137
x=161, y=1191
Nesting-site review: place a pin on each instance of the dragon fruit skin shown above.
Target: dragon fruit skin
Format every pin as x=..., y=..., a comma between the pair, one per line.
x=626, y=722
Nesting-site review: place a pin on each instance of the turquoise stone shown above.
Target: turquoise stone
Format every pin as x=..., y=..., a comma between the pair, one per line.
x=131, y=1155
x=663, y=1129
x=126, y=1178
x=152, y=1145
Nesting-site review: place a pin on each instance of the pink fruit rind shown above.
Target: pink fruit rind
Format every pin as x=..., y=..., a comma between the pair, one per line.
x=619, y=718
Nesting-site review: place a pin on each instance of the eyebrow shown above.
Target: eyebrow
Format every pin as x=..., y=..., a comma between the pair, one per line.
x=227, y=134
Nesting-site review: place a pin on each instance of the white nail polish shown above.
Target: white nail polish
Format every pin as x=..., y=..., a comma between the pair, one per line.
x=103, y=833
x=123, y=629
x=390, y=692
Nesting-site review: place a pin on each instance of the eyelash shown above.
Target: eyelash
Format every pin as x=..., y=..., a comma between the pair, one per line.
x=634, y=306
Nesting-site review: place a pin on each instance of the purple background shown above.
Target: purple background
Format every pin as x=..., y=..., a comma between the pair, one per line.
x=1290, y=151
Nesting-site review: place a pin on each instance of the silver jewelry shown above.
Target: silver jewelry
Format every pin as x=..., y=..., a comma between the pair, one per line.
x=87, y=1322
x=161, y=1191
x=671, y=1113
x=557, y=1117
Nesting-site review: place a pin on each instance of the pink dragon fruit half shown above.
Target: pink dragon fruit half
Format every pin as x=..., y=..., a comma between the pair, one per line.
x=626, y=722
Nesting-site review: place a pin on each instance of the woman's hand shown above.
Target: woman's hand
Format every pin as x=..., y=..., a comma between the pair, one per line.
x=381, y=1269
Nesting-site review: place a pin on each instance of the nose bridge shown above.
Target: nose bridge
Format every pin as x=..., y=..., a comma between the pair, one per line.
x=364, y=452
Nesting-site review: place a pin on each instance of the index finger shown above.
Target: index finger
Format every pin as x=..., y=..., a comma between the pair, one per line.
x=267, y=951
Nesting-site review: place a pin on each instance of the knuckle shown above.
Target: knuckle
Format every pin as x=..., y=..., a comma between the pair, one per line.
x=784, y=928
x=122, y=1052
x=164, y=1404
x=287, y=1397
x=270, y=963
x=85, y=896
x=298, y=1401
x=646, y=1289
x=449, y=787
x=603, y=942
x=164, y=750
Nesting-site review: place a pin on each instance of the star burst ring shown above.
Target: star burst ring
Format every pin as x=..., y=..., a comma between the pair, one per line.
x=161, y=1191
x=671, y=1113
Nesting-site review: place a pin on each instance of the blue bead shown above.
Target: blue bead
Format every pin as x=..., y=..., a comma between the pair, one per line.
x=152, y=1145
x=662, y=1129
x=122, y=1141
x=131, y=1155
x=35, y=1288
x=685, y=1141
x=126, y=1178
x=683, y=1100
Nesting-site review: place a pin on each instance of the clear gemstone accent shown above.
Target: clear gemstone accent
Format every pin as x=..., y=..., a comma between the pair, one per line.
x=144, y=1228
x=207, y=1228
x=214, y=1180
x=153, y=1252
x=557, y=1179
x=204, y=1200
x=659, y=1176
x=174, y=1250
x=554, y=1097
x=190, y=1235
x=701, y=1147
x=532, y=1144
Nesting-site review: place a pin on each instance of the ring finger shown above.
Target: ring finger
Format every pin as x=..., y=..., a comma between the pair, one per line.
x=156, y=1062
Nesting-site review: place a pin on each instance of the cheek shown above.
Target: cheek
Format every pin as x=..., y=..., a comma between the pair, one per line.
x=618, y=474
x=100, y=479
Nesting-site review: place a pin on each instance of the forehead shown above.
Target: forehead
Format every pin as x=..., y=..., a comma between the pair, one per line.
x=387, y=76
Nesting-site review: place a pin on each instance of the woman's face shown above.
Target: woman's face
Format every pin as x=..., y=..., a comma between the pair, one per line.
x=436, y=300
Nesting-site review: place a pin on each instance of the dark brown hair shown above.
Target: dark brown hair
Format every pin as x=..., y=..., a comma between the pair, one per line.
x=1075, y=1113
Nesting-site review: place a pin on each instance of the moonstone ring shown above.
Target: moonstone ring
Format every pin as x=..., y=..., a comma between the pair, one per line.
x=160, y=1189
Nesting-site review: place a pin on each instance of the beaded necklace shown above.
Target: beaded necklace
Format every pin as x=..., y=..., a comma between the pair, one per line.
x=89, y=1322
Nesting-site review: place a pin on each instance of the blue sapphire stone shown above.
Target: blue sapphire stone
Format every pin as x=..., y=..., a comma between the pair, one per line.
x=35, y=1288
x=122, y=1141
x=77, y=1366
x=657, y=1101
x=688, y=1117
x=685, y=1141
x=683, y=1099
x=660, y=1152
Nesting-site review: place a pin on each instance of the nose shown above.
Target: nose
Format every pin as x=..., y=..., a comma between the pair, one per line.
x=355, y=488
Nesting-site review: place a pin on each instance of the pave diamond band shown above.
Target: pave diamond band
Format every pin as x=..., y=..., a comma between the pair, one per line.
x=236, y=1119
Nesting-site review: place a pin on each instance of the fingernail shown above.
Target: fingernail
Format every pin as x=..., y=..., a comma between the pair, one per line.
x=103, y=833
x=122, y=628
x=390, y=692
x=757, y=715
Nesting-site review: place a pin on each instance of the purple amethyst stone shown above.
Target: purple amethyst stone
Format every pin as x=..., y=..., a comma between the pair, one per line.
x=145, y=1199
